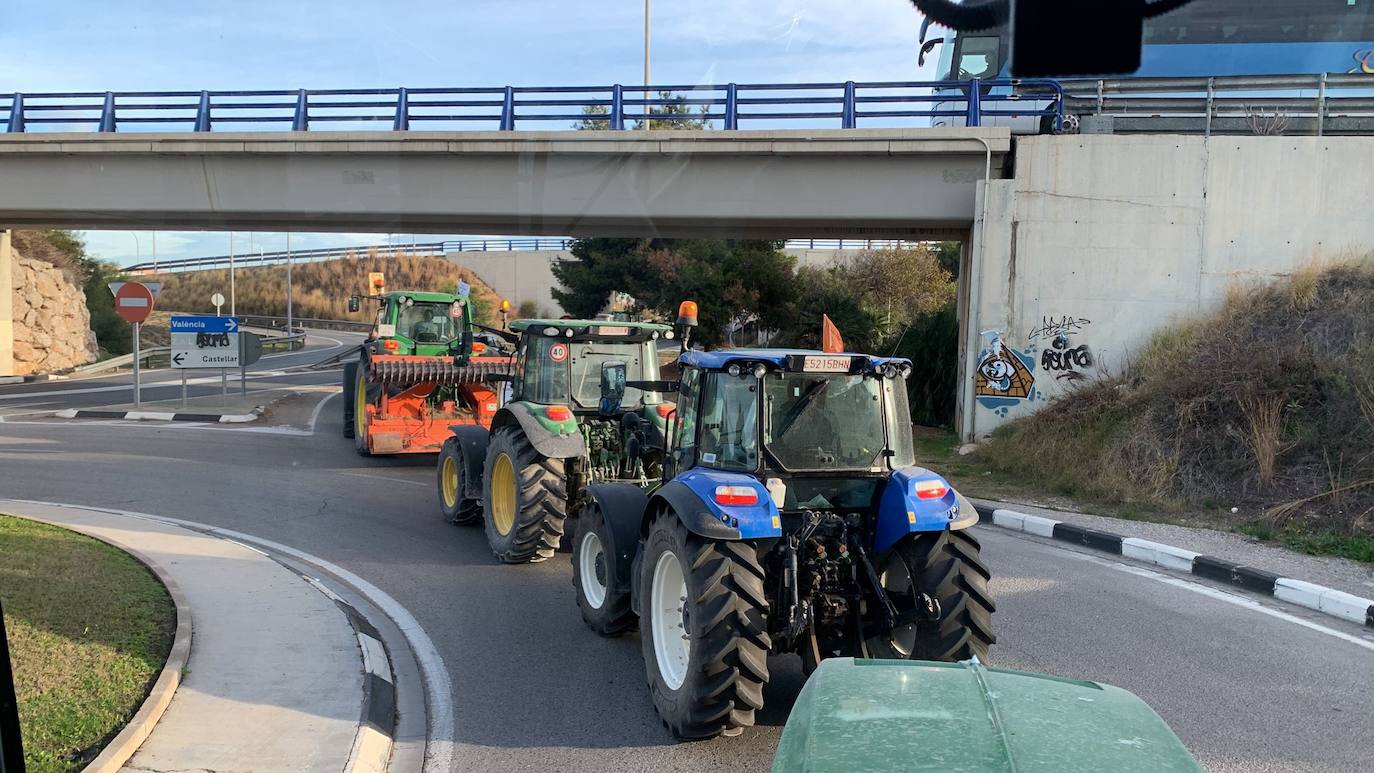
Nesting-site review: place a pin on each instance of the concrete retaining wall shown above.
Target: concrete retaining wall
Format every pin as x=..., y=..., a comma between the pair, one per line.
x=1098, y=241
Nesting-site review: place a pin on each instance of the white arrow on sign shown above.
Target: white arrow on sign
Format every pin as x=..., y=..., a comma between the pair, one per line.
x=232, y=324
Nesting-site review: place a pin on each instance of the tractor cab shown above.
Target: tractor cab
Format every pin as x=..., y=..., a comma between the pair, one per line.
x=422, y=324
x=559, y=366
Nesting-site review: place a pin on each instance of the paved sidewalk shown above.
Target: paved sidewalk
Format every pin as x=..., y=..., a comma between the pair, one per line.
x=275, y=676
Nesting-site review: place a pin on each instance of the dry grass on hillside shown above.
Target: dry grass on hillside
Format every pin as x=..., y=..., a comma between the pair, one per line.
x=320, y=290
x=1267, y=405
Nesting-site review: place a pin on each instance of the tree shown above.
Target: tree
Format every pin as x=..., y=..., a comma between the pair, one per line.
x=596, y=117
x=729, y=279
x=901, y=283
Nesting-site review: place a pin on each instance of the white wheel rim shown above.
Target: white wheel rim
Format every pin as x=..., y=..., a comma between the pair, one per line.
x=668, y=597
x=590, y=554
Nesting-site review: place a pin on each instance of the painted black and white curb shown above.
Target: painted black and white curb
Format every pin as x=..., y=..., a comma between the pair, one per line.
x=377, y=730
x=221, y=418
x=1330, y=601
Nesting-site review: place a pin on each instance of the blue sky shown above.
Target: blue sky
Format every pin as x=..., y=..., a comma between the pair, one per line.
x=245, y=44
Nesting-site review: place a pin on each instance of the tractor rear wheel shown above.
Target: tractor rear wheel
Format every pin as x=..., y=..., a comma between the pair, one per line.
x=451, y=473
x=705, y=639
x=525, y=498
x=602, y=597
x=939, y=585
x=361, y=398
x=350, y=374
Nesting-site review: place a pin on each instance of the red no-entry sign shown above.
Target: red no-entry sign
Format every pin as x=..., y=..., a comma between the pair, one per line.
x=134, y=302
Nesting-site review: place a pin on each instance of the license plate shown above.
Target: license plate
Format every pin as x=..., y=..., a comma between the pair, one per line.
x=823, y=364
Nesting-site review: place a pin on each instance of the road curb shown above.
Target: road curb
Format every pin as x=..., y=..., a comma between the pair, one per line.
x=1319, y=598
x=127, y=741
x=371, y=752
x=221, y=418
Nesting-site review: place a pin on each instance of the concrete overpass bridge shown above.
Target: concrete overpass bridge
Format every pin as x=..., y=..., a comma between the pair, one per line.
x=1107, y=236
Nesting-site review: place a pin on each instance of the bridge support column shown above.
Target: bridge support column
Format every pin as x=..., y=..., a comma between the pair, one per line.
x=6, y=305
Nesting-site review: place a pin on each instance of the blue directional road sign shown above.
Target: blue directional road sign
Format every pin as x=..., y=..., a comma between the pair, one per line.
x=199, y=324
x=206, y=342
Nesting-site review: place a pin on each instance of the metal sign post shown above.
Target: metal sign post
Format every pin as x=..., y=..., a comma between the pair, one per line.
x=183, y=389
x=138, y=391
x=224, y=383
x=11, y=742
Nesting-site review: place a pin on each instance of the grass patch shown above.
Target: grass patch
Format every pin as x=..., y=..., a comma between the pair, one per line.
x=89, y=629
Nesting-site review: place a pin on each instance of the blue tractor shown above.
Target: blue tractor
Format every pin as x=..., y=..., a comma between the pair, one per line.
x=791, y=518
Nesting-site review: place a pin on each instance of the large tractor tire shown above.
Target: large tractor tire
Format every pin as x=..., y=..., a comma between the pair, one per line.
x=350, y=374
x=605, y=604
x=944, y=568
x=525, y=499
x=362, y=395
x=456, y=508
x=704, y=630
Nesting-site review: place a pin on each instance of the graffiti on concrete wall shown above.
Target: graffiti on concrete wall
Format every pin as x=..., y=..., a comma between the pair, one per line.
x=1005, y=376
x=1065, y=361
x=1063, y=325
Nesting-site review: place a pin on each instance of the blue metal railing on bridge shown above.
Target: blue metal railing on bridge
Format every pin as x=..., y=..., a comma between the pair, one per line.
x=441, y=248
x=848, y=105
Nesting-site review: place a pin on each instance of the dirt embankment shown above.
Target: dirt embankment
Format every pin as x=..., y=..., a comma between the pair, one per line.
x=1266, y=406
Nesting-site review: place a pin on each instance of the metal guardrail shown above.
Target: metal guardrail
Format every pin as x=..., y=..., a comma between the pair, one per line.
x=257, y=320
x=442, y=248
x=146, y=356
x=1250, y=104
x=504, y=108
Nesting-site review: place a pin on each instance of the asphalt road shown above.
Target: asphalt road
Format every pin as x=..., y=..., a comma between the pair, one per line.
x=534, y=690
x=165, y=383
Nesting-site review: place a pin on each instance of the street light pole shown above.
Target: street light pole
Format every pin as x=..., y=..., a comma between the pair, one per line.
x=646, y=64
x=290, y=330
x=231, y=274
x=154, y=252
x=138, y=250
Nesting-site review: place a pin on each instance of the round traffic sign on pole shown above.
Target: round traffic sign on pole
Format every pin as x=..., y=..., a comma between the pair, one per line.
x=134, y=302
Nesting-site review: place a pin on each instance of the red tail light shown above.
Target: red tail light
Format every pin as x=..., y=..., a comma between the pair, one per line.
x=736, y=495
x=930, y=489
x=478, y=347
x=558, y=412
x=666, y=408
x=391, y=345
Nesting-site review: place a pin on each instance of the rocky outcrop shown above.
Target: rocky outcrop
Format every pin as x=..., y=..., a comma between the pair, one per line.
x=52, y=327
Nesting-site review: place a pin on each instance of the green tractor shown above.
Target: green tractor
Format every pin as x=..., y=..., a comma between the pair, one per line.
x=552, y=436
x=418, y=373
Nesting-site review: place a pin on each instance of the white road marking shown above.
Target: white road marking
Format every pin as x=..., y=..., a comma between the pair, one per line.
x=155, y=385
x=438, y=686
x=1226, y=596
x=315, y=414
x=384, y=477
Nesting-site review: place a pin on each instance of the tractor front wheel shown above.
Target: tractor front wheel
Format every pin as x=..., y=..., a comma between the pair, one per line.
x=525, y=498
x=361, y=398
x=705, y=638
x=939, y=585
x=456, y=507
x=350, y=375
x=601, y=595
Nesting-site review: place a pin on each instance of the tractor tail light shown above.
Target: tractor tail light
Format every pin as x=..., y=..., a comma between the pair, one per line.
x=391, y=346
x=736, y=495
x=478, y=347
x=931, y=489
x=665, y=409
x=558, y=413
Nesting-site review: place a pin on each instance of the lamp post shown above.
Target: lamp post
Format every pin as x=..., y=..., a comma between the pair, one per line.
x=290, y=330
x=138, y=250
x=646, y=64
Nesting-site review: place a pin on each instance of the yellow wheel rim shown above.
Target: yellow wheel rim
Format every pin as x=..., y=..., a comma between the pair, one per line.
x=449, y=480
x=360, y=407
x=503, y=495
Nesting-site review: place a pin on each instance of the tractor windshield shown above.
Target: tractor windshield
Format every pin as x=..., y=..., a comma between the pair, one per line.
x=824, y=421
x=427, y=322
x=589, y=356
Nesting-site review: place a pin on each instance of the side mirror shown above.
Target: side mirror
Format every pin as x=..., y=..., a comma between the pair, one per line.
x=354, y=303
x=612, y=387
x=925, y=49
